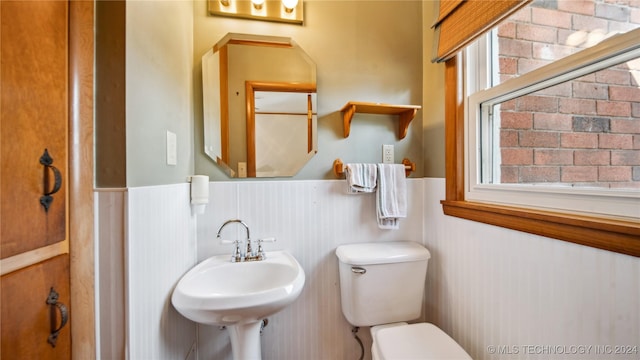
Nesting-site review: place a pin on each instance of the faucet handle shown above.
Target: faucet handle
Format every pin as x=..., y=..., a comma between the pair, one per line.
x=237, y=255
x=260, y=253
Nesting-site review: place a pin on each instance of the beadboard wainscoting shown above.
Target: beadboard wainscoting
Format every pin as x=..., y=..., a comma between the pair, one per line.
x=309, y=219
x=150, y=235
x=504, y=294
x=492, y=289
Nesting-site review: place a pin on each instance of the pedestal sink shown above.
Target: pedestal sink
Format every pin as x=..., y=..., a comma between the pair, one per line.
x=239, y=295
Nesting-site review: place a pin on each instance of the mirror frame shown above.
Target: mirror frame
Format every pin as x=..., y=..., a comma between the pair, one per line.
x=221, y=116
x=250, y=88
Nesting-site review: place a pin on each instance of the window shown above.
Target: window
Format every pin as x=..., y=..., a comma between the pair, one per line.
x=552, y=129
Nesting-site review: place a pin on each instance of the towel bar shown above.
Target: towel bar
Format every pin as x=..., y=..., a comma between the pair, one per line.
x=338, y=167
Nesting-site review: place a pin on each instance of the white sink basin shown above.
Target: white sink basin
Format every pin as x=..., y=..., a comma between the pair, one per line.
x=219, y=292
x=239, y=295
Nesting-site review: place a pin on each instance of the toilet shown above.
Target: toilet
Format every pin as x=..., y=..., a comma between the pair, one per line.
x=382, y=286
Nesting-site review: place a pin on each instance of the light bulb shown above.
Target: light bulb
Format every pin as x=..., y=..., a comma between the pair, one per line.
x=257, y=4
x=289, y=5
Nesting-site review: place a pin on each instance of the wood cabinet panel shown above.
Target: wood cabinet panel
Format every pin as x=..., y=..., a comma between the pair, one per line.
x=34, y=106
x=26, y=317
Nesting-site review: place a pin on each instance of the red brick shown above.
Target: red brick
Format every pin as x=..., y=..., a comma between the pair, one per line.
x=590, y=90
x=508, y=138
x=540, y=174
x=516, y=156
x=551, y=51
x=508, y=65
x=572, y=38
x=635, y=109
x=562, y=89
x=550, y=17
x=614, y=173
x=588, y=23
x=512, y=47
x=553, y=157
x=615, y=141
x=623, y=126
x=536, y=33
x=509, y=174
x=587, y=78
x=624, y=93
x=579, y=141
x=516, y=120
x=522, y=15
x=617, y=77
x=636, y=142
x=509, y=105
x=625, y=157
x=571, y=174
x=507, y=29
x=547, y=121
x=577, y=106
x=527, y=65
x=537, y=103
x=539, y=139
x=591, y=157
x=577, y=6
x=613, y=108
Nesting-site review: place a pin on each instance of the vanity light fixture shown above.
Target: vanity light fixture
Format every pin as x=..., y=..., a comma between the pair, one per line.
x=290, y=11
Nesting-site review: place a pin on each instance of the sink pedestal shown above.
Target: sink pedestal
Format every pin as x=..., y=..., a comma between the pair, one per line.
x=245, y=340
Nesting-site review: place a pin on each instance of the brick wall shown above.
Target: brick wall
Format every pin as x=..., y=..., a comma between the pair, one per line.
x=585, y=132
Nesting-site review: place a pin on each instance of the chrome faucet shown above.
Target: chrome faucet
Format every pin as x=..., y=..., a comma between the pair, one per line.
x=238, y=255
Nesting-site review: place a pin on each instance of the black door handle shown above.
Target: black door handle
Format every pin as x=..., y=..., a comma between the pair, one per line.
x=46, y=199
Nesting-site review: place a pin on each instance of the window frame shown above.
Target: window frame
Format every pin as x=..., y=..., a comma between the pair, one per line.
x=617, y=235
x=480, y=96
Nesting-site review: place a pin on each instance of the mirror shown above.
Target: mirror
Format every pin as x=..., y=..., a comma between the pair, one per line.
x=260, y=107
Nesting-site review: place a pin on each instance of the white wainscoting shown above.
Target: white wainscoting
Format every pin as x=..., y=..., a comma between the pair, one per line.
x=309, y=219
x=495, y=289
x=486, y=286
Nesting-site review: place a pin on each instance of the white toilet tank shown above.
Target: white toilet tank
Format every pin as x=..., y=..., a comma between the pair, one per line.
x=382, y=282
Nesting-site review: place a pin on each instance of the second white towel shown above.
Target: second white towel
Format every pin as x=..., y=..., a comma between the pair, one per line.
x=391, y=197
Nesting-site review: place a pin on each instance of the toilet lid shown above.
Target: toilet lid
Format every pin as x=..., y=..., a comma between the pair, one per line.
x=417, y=341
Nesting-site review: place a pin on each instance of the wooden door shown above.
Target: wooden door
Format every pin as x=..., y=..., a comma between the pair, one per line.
x=34, y=210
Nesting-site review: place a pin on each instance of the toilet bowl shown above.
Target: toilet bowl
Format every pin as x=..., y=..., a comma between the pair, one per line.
x=382, y=286
x=414, y=341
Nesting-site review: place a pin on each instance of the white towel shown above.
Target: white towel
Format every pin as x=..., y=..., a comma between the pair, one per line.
x=391, y=199
x=361, y=178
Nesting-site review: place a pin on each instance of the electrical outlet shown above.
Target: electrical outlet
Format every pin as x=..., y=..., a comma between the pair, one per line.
x=242, y=169
x=387, y=154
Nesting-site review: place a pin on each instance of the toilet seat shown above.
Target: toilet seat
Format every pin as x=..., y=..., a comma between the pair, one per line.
x=415, y=341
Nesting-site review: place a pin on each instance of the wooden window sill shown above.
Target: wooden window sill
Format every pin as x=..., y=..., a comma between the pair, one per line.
x=603, y=233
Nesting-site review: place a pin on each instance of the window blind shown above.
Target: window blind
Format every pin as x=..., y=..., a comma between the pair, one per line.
x=462, y=21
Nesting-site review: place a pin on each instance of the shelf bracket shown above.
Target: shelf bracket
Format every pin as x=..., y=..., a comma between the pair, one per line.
x=347, y=116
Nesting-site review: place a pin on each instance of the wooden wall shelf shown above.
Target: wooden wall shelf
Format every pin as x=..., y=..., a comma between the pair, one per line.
x=406, y=113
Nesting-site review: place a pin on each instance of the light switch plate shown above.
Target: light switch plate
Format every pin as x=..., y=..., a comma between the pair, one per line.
x=172, y=148
x=387, y=154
